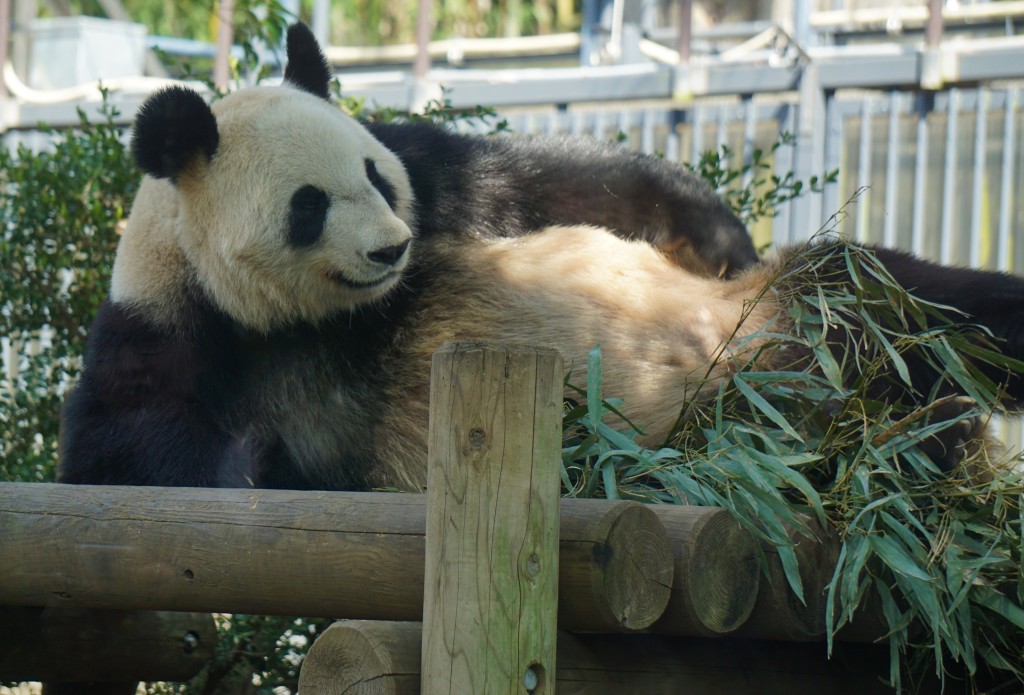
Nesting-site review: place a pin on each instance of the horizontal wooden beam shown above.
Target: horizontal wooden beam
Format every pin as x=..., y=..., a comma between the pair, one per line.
x=38, y=644
x=359, y=657
x=276, y=552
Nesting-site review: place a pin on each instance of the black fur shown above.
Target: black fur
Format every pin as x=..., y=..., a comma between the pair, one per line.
x=201, y=407
x=307, y=216
x=383, y=186
x=173, y=127
x=307, y=66
x=994, y=301
x=507, y=186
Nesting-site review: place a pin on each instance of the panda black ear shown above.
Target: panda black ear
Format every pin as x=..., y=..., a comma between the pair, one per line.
x=173, y=127
x=307, y=66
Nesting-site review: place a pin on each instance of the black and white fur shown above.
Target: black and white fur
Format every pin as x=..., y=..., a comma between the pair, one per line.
x=285, y=277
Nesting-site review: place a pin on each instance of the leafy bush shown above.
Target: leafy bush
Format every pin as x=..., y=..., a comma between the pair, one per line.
x=60, y=210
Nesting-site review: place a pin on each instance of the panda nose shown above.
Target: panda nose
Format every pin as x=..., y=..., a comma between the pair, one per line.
x=389, y=255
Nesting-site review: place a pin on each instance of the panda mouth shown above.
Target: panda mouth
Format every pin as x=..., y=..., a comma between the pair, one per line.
x=340, y=279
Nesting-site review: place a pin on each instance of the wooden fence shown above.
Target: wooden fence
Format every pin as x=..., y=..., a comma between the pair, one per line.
x=489, y=583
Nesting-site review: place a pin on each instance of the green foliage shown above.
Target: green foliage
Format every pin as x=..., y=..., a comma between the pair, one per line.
x=437, y=111
x=354, y=22
x=939, y=553
x=60, y=211
x=753, y=189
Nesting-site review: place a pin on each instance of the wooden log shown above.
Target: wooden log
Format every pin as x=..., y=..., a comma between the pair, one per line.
x=717, y=571
x=109, y=647
x=778, y=612
x=491, y=597
x=378, y=658
x=364, y=656
x=355, y=554
x=626, y=555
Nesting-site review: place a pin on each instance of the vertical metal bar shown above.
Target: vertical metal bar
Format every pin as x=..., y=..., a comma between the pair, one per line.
x=802, y=22
x=697, y=141
x=647, y=131
x=24, y=13
x=864, y=173
x=783, y=223
x=321, y=21
x=530, y=123
x=949, y=178
x=721, y=129
x=749, y=135
x=576, y=122
x=833, y=153
x=809, y=154
x=1006, y=197
x=920, y=176
x=979, y=235
x=672, y=140
x=933, y=28
x=892, y=172
x=551, y=122
x=599, y=125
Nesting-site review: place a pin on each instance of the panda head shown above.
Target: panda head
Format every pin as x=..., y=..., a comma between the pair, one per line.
x=286, y=209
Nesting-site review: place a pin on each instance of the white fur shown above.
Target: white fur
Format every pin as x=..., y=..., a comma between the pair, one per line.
x=227, y=219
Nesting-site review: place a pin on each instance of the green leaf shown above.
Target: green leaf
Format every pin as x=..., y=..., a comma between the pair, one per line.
x=989, y=598
x=897, y=558
x=765, y=407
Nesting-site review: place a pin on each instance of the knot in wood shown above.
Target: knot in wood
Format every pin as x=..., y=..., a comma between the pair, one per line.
x=477, y=437
x=532, y=566
x=190, y=642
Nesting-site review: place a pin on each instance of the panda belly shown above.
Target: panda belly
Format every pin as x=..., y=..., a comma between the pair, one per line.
x=666, y=335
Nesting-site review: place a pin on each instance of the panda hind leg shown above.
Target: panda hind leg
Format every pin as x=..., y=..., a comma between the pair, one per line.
x=964, y=442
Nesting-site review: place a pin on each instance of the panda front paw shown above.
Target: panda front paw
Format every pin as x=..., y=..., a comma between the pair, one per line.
x=951, y=446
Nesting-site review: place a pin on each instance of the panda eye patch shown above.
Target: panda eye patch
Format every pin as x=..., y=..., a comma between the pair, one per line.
x=307, y=216
x=380, y=183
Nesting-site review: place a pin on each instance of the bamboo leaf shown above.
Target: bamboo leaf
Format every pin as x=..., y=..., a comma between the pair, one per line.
x=897, y=558
x=765, y=407
x=994, y=601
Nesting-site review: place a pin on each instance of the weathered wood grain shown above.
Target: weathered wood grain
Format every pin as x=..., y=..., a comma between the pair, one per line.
x=491, y=587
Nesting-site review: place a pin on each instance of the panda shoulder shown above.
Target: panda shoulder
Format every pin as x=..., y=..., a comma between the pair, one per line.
x=150, y=270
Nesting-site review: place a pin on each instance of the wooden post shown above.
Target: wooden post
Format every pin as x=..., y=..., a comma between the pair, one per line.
x=491, y=580
x=357, y=657
x=717, y=571
x=355, y=554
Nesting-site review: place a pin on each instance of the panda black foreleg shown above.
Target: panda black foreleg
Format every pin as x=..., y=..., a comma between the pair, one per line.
x=992, y=300
x=161, y=442
x=144, y=410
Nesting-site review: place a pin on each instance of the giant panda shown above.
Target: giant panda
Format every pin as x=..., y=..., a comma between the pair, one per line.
x=285, y=276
